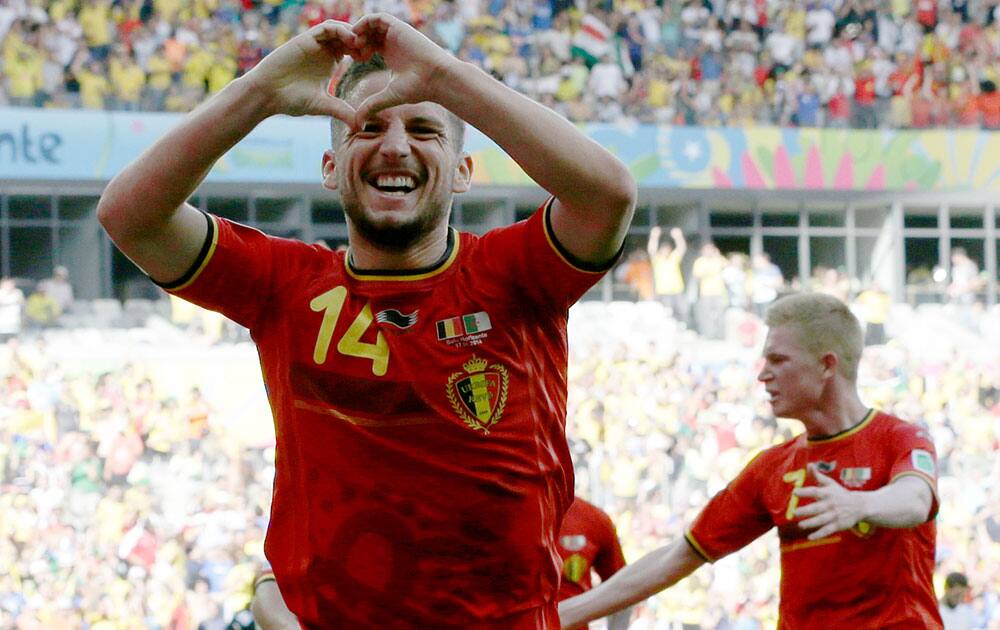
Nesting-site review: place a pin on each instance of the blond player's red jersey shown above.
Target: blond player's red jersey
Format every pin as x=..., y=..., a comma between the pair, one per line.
x=422, y=465
x=587, y=540
x=865, y=577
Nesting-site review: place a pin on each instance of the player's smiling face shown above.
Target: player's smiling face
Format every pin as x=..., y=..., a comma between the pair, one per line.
x=397, y=173
x=792, y=375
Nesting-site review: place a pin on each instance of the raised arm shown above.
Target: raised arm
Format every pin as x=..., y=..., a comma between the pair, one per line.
x=594, y=191
x=653, y=244
x=651, y=574
x=144, y=208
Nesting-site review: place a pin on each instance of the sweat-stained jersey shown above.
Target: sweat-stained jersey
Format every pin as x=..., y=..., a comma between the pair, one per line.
x=422, y=468
x=865, y=577
x=587, y=540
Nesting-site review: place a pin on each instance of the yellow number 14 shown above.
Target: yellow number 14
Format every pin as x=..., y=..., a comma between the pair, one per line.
x=330, y=304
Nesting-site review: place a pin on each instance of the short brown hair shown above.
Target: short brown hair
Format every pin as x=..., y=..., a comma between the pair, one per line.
x=355, y=73
x=824, y=324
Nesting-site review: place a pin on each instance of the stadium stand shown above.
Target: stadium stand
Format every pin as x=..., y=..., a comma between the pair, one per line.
x=835, y=63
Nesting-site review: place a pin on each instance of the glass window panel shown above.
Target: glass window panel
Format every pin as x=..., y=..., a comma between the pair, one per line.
x=234, y=208
x=29, y=207
x=780, y=219
x=77, y=208
x=31, y=252
x=784, y=252
x=965, y=218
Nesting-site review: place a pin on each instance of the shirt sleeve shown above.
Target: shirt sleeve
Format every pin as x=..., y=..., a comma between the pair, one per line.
x=530, y=258
x=733, y=518
x=610, y=558
x=238, y=270
x=914, y=454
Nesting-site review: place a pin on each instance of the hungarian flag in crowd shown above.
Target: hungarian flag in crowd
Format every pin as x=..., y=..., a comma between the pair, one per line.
x=593, y=40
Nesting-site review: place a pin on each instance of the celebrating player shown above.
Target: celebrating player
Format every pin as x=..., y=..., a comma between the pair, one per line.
x=589, y=543
x=853, y=497
x=417, y=381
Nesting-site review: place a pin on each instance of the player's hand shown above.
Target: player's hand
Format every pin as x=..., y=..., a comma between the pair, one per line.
x=297, y=74
x=418, y=65
x=675, y=233
x=835, y=507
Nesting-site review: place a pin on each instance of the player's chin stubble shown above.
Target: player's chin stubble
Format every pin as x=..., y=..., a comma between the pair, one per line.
x=395, y=236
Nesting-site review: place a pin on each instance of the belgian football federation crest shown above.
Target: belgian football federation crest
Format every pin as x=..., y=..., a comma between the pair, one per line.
x=863, y=529
x=479, y=394
x=575, y=567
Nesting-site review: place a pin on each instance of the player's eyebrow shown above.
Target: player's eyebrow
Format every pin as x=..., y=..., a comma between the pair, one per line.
x=424, y=121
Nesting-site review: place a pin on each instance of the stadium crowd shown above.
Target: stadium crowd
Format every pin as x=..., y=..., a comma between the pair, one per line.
x=834, y=63
x=130, y=498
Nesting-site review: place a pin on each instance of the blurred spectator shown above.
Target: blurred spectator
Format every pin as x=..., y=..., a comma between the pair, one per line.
x=875, y=304
x=955, y=611
x=989, y=104
x=965, y=282
x=59, y=288
x=736, y=275
x=668, y=277
x=707, y=272
x=40, y=309
x=95, y=87
x=766, y=282
x=127, y=81
x=637, y=273
x=11, y=306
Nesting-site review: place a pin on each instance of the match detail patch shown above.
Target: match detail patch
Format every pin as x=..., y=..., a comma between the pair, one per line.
x=923, y=461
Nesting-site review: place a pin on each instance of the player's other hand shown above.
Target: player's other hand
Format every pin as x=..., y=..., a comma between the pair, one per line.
x=835, y=507
x=296, y=75
x=419, y=66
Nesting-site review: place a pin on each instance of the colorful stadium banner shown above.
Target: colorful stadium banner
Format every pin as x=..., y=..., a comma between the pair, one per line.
x=80, y=145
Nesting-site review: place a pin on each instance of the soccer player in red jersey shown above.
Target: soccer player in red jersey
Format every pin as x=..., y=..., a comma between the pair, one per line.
x=418, y=380
x=588, y=542
x=852, y=498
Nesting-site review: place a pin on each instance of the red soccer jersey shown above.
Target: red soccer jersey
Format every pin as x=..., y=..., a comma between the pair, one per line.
x=587, y=540
x=865, y=577
x=422, y=467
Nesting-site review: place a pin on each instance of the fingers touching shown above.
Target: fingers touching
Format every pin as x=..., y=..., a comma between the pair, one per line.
x=370, y=33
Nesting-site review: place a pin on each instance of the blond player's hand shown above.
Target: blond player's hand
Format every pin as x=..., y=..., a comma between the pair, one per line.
x=296, y=75
x=835, y=507
x=418, y=65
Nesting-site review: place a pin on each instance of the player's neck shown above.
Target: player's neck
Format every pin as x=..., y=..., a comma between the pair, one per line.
x=427, y=252
x=838, y=412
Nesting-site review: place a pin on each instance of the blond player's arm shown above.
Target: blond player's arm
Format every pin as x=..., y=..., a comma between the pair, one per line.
x=144, y=208
x=906, y=502
x=269, y=609
x=651, y=574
